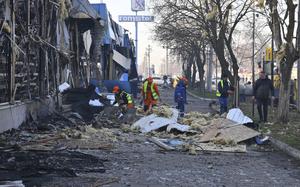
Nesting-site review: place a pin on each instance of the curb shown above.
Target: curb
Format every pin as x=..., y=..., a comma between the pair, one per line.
x=295, y=153
x=202, y=98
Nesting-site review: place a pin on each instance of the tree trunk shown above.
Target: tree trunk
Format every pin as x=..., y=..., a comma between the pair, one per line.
x=284, y=102
x=200, y=64
x=235, y=66
x=194, y=74
x=284, y=94
x=189, y=68
x=220, y=52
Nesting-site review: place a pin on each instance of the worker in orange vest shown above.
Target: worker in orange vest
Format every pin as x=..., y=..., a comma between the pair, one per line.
x=150, y=94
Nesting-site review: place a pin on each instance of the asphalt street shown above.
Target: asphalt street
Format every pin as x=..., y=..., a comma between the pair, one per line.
x=141, y=163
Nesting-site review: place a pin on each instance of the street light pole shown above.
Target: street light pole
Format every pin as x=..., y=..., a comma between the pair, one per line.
x=149, y=64
x=167, y=60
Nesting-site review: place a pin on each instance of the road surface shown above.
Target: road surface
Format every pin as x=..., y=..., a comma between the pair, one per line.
x=136, y=162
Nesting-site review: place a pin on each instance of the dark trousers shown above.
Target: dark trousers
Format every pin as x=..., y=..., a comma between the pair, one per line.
x=180, y=107
x=223, y=104
x=262, y=108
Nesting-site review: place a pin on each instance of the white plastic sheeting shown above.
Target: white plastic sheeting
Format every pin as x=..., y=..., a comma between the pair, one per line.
x=95, y=102
x=238, y=116
x=154, y=122
x=111, y=97
x=179, y=127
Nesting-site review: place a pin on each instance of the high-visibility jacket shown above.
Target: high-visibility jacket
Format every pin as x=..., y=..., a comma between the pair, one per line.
x=218, y=94
x=123, y=98
x=220, y=89
x=153, y=91
x=128, y=97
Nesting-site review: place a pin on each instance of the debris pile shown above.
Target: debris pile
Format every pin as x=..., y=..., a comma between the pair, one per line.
x=52, y=146
x=163, y=111
x=199, y=131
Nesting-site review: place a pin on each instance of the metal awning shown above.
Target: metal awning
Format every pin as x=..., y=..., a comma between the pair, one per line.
x=122, y=60
x=82, y=9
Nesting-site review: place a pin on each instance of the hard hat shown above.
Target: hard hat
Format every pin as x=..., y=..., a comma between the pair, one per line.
x=185, y=80
x=116, y=89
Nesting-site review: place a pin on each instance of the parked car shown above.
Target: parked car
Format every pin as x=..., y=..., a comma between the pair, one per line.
x=158, y=80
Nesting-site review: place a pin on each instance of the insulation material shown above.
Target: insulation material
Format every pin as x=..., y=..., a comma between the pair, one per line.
x=90, y=138
x=198, y=124
x=163, y=111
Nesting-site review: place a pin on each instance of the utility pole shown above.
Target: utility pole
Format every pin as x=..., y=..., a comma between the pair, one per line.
x=298, y=64
x=28, y=49
x=216, y=82
x=167, y=60
x=149, y=50
x=253, y=57
x=145, y=64
x=136, y=40
x=13, y=52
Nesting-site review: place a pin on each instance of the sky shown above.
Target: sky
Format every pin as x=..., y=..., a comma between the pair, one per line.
x=145, y=35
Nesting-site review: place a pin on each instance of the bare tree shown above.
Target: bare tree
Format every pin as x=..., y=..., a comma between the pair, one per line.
x=216, y=20
x=283, y=27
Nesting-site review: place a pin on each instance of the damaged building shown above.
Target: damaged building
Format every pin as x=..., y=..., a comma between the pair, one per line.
x=44, y=44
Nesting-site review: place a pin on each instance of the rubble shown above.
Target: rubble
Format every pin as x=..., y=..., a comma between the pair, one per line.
x=163, y=111
x=57, y=145
x=206, y=132
x=50, y=147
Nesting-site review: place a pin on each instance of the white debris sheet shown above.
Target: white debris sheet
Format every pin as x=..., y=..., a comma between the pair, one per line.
x=95, y=102
x=154, y=122
x=237, y=116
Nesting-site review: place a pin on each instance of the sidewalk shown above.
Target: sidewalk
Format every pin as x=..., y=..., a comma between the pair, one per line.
x=288, y=133
x=284, y=136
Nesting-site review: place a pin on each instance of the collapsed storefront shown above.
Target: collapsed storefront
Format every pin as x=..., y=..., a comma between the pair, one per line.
x=46, y=43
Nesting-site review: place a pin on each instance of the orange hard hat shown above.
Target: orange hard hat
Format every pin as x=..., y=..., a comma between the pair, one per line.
x=116, y=89
x=185, y=80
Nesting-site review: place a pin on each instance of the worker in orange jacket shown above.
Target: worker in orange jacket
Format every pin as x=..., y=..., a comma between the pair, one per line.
x=123, y=98
x=150, y=94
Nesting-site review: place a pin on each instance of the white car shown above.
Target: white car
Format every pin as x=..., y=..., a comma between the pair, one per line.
x=158, y=80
